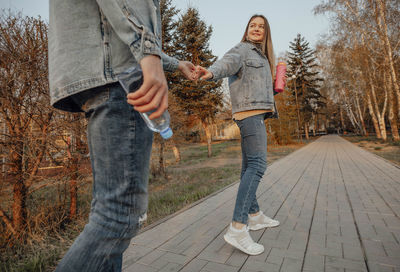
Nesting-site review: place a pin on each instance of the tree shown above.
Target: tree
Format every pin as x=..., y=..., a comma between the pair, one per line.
x=303, y=72
x=368, y=31
x=33, y=133
x=197, y=99
x=25, y=107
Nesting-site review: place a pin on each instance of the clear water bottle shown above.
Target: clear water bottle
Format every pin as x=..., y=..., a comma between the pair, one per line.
x=131, y=80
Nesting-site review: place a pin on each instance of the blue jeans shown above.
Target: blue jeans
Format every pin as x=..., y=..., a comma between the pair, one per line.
x=254, y=152
x=120, y=147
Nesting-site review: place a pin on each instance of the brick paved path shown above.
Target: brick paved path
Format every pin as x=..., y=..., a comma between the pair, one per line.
x=339, y=209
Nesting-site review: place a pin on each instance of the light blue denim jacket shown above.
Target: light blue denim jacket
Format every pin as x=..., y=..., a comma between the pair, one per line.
x=92, y=41
x=250, y=80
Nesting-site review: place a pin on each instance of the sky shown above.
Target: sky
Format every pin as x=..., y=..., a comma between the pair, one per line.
x=229, y=18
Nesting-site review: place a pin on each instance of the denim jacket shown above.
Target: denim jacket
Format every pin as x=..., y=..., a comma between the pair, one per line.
x=92, y=41
x=250, y=80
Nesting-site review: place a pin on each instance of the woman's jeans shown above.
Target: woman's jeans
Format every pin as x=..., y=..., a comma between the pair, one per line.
x=120, y=146
x=254, y=152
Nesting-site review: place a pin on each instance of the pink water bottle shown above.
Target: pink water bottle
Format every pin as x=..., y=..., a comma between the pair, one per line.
x=280, y=77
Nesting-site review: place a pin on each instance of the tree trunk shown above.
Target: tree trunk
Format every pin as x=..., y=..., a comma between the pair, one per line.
x=176, y=151
x=382, y=127
x=315, y=123
x=381, y=20
x=361, y=117
x=19, y=205
x=208, y=136
x=380, y=115
x=19, y=189
x=342, y=118
x=373, y=116
x=73, y=189
x=73, y=175
x=161, y=165
x=306, y=129
x=391, y=116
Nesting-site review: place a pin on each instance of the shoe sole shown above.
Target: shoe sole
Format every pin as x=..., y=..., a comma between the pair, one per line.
x=236, y=245
x=259, y=226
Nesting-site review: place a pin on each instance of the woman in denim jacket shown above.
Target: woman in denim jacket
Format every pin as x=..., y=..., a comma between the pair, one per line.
x=249, y=66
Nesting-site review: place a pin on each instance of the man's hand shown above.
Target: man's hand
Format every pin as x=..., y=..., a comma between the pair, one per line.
x=187, y=69
x=203, y=73
x=153, y=94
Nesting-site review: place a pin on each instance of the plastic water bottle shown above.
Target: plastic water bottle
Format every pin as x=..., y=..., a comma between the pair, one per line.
x=131, y=80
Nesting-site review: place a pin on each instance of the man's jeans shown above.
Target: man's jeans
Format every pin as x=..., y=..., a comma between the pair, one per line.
x=254, y=152
x=120, y=146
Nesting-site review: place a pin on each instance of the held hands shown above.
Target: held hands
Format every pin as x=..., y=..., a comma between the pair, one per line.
x=201, y=73
x=153, y=94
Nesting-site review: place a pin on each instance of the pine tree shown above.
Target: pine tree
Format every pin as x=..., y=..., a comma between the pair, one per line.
x=199, y=100
x=168, y=26
x=303, y=72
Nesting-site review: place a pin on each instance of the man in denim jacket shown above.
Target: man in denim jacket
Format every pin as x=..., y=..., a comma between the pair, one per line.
x=90, y=44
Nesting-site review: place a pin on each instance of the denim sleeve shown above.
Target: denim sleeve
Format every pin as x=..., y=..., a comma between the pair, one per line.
x=229, y=65
x=170, y=64
x=137, y=23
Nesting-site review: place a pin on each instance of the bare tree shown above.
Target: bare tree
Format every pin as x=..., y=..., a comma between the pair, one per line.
x=369, y=31
x=25, y=107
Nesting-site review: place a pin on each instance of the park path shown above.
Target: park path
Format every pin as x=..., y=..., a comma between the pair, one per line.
x=339, y=208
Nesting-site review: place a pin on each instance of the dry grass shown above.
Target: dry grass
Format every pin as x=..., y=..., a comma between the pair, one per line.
x=389, y=150
x=50, y=233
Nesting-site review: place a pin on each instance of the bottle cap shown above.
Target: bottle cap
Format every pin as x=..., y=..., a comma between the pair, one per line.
x=166, y=133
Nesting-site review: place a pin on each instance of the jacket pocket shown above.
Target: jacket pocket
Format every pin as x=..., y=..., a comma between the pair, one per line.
x=254, y=63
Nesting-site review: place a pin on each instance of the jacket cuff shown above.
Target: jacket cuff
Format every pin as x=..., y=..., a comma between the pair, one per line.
x=147, y=45
x=214, y=71
x=170, y=64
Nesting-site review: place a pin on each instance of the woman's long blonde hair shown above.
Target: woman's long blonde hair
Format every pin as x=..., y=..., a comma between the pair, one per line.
x=266, y=44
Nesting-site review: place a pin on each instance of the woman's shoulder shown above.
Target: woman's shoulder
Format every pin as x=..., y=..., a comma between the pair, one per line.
x=241, y=48
x=244, y=45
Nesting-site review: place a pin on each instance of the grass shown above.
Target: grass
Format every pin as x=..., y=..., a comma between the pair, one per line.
x=389, y=150
x=193, y=178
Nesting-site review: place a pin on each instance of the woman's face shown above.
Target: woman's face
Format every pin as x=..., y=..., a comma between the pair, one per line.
x=256, y=30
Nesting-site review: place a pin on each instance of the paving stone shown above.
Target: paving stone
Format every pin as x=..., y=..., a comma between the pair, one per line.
x=134, y=254
x=139, y=267
x=294, y=254
x=256, y=266
x=151, y=257
x=353, y=252
x=374, y=248
x=194, y=265
x=217, y=267
x=174, y=258
x=171, y=267
x=344, y=263
x=275, y=259
x=291, y=265
x=314, y=262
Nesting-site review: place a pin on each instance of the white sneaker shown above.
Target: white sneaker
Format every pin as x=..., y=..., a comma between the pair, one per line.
x=261, y=221
x=241, y=240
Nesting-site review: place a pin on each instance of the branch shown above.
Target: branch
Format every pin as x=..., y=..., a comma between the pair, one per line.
x=8, y=222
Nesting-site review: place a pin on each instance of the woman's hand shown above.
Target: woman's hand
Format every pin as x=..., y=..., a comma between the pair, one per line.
x=203, y=73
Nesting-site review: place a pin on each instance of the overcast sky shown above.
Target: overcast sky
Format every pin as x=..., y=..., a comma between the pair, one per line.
x=229, y=18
